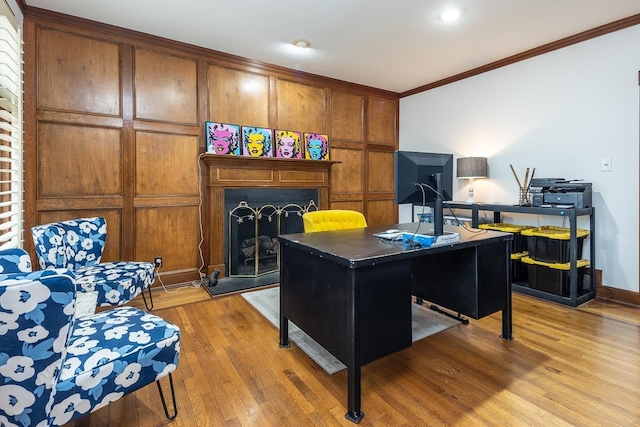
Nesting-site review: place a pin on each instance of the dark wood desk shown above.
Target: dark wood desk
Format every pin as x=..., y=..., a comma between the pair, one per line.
x=351, y=292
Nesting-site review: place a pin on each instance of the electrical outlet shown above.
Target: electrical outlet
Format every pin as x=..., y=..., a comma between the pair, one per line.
x=158, y=261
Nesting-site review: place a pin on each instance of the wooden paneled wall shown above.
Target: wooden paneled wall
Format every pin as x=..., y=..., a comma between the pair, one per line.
x=114, y=126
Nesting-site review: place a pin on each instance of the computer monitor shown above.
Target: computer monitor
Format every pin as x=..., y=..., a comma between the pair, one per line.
x=424, y=178
x=413, y=168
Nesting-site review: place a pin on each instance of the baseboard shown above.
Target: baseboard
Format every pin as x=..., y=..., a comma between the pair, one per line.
x=608, y=293
x=622, y=296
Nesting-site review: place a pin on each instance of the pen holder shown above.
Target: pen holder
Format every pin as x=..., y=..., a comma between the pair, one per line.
x=524, y=198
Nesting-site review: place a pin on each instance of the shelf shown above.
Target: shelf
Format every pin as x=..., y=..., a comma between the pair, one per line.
x=267, y=163
x=519, y=209
x=581, y=298
x=577, y=296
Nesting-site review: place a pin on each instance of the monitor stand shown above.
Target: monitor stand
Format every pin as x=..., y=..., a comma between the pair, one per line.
x=439, y=236
x=438, y=215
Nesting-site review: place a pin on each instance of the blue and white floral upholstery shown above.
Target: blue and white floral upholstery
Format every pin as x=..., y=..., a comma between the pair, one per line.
x=15, y=261
x=78, y=245
x=36, y=311
x=54, y=368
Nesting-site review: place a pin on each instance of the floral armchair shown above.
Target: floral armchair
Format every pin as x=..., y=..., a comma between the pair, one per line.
x=54, y=367
x=78, y=245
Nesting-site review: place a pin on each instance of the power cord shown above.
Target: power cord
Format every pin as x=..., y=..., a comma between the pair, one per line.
x=194, y=284
x=200, y=202
x=421, y=184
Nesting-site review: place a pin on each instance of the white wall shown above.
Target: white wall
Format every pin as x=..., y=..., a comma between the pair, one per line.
x=561, y=113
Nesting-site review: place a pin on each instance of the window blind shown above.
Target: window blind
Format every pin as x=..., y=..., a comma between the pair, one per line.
x=11, y=166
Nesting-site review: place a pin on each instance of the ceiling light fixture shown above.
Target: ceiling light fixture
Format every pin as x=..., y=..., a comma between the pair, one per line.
x=302, y=43
x=450, y=15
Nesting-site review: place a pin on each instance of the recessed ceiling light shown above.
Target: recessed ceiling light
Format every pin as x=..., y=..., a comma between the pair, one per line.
x=302, y=43
x=450, y=15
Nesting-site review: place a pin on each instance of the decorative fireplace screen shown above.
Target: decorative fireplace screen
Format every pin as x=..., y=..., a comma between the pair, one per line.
x=253, y=235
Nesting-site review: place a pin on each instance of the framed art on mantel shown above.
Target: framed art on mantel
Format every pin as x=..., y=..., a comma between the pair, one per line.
x=288, y=144
x=223, y=138
x=257, y=142
x=316, y=146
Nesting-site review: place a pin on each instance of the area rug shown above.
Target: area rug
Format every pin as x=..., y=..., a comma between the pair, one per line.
x=424, y=322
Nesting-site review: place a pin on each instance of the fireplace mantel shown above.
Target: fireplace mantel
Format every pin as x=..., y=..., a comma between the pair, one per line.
x=222, y=172
x=239, y=171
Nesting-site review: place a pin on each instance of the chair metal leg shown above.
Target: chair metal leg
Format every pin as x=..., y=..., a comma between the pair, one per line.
x=150, y=299
x=173, y=398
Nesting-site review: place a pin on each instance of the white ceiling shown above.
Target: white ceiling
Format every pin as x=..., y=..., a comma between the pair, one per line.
x=396, y=45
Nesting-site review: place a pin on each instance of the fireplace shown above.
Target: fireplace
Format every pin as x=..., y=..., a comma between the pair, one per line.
x=255, y=218
x=223, y=173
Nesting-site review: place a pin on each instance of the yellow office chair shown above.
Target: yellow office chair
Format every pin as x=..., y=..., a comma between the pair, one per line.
x=333, y=219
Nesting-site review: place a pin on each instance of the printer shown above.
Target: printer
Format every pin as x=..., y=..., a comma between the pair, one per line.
x=560, y=193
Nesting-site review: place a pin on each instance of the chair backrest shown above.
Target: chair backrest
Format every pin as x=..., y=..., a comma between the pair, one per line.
x=333, y=219
x=14, y=260
x=70, y=244
x=36, y=311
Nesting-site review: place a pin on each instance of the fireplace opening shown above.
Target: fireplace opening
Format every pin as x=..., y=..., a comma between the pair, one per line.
x=255, y=218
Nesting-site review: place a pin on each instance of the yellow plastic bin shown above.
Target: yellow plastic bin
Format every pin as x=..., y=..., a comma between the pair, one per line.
x=553, y=277
x=518, y=268
x=519, y=242
x=551, y=244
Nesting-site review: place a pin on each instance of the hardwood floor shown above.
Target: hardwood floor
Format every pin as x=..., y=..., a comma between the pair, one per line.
x=565, y=367
x=173, y=296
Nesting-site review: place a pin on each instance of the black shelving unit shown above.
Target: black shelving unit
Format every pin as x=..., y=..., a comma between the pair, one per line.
x=576, y=296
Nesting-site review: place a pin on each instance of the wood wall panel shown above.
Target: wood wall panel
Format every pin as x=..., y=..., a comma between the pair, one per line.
x=347, y=176
x=171, y=232
x=301, y=107
x=382, y=121
x=382, y=212
x=77, y=73
x=238, y=97
x=166, y=164
x=347, y=116
x=255, y=177
x=349, y=205
x=302, y=177
x=80, y=161
x=116, y=125
x=114, y=226
x=165, y=87
x=381, y=168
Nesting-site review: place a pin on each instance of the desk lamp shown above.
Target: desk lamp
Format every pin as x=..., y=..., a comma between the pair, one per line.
x=472, y=168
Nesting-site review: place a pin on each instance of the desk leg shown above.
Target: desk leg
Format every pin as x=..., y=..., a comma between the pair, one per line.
x=507, y=320
x=354, y=399
x=284, y=323
x=354, y=390
x=284, y=332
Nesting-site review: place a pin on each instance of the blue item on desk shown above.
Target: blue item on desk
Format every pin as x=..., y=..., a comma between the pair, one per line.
x=424, y=239
x=426, y=217
x=428, y=240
